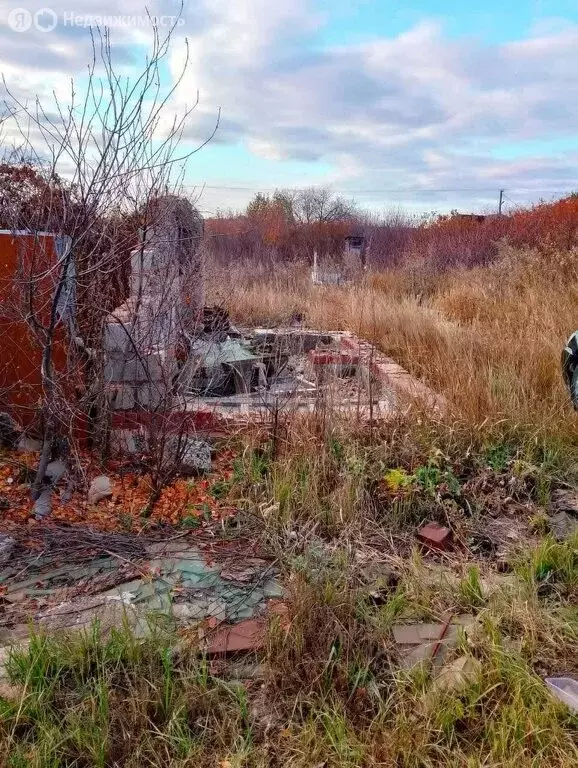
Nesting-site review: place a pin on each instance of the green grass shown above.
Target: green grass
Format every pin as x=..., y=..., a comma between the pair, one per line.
x=333, y=693
x=552, y=562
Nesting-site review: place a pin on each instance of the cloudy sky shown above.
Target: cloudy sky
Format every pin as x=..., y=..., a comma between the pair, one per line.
x=424, y=104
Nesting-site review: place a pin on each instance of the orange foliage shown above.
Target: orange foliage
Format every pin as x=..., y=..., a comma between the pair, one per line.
x=447, y=240
x=473, y=240
x=187, y=500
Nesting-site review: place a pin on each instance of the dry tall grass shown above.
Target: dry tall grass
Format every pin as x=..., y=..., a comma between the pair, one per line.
x=488, y=338
x=324, y=503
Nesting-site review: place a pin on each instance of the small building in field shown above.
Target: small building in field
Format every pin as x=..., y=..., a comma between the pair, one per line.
x=356, y=247
x=347, y=267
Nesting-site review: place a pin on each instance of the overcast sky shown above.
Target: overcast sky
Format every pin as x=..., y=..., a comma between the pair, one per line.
x=424, y=104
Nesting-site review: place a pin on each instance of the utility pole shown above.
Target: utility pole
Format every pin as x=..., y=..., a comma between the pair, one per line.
x=500, y=202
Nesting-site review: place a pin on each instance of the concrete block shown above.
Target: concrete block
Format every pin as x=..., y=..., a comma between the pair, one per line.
x=153, y=397
x=192, y=455
x=143, y=259
x=154, y=367
x=117, y=338
x=151, y=283
x=122, y=397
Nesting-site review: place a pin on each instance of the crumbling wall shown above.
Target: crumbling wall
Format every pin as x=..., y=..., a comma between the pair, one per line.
x=175, y=228
x=166, y=297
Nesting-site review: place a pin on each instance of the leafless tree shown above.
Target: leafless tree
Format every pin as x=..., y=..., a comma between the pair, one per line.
x=304, y=206
x=115, y=149
x=317, y=204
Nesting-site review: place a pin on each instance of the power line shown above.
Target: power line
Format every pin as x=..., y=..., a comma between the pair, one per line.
x=348, y=191
x=383, y=191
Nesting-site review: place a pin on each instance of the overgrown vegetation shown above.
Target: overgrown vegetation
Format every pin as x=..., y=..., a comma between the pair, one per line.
x=332, y=694
x=488, y=338
x=329, y=502
x=290, y=224
x=329, y=498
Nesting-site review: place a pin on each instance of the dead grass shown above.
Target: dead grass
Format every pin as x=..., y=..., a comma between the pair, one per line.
x=489, y=339
x=329, y=499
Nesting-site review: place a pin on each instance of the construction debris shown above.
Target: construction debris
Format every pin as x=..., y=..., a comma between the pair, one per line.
x=43, y=504
x=421, y=643
x=436, y=536
x=191, y=456
x=174, y=579
x=248, y=635
x=566, y=690
x=100, y=488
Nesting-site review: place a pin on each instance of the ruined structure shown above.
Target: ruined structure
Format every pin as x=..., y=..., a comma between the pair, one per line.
x=355, y=251
x=346, y=268
x=165, y=303
x=172, y=361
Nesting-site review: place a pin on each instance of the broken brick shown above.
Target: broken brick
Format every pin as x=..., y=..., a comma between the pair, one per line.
x=247, y=635
x=436, y=536
x=328, y=357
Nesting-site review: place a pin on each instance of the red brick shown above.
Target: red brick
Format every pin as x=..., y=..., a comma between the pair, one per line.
x=248, y=635
x=172, y=421
x=436, y=536
x=328, y=357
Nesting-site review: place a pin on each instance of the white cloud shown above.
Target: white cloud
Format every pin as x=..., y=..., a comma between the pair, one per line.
x=420, y=109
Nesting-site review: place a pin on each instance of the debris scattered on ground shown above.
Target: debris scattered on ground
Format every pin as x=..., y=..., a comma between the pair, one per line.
x=100, y=488
x=457, y=674
x=194, y=456
x=420, y=643
x=55, y=471
x=436, y=536
x=248, y=635
x=111, y=579
x=565, y=689
x=7, y=544
x=185, y=499
x=563, y=519
x=43, y=504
